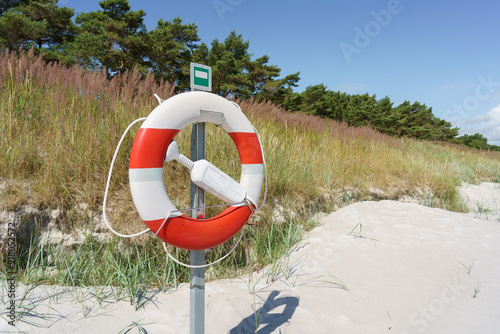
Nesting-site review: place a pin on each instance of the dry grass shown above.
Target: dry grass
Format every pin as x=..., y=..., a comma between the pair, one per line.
x=60, y=127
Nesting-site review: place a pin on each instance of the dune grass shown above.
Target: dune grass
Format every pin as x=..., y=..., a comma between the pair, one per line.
x=60, y=126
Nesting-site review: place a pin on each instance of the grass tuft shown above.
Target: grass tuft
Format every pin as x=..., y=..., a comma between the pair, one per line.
x=59, y=129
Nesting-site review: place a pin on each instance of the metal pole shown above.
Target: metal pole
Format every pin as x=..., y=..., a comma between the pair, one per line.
x=201, y=80
x=197, y=275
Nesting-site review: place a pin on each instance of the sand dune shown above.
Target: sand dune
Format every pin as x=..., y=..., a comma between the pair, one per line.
x=371, y=267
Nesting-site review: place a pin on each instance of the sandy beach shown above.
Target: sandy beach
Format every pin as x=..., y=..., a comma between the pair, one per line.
x=370, y=267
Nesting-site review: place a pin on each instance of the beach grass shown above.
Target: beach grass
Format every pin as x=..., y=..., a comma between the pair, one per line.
x=60, y=127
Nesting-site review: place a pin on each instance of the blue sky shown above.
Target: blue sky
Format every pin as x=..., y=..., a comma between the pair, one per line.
x=445, y=54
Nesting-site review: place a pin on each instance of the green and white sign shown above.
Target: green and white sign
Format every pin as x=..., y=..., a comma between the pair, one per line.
x=201, y=77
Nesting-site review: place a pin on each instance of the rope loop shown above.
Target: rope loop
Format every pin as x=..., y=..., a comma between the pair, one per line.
x=253, y=207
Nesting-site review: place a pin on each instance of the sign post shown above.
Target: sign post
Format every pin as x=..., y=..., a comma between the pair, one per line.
x=201, y=79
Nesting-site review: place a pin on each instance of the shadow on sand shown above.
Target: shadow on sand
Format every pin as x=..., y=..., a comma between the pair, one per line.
x=265, y=321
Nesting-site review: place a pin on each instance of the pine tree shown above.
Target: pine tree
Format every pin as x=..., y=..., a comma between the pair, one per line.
x=229, y=61
x=6, y=5
x=280, y=91
x=360, y=109
x=40, y=24
x=259, y=74
x=477, y=141
x=382, y=118
x=172, y=46
x=114, y=37
x=315, y=101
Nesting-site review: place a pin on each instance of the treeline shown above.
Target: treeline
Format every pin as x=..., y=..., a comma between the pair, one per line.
x=115, y=39
x=408, y=119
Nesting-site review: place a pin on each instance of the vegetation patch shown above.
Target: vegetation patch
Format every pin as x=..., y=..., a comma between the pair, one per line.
x=59, y=130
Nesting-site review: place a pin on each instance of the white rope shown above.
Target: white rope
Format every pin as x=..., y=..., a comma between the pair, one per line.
x=109, y=181
x=147, y=230
x=160, y=100
x=208, y=264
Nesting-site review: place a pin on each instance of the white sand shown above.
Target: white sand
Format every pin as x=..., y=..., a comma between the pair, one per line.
x=407, y=268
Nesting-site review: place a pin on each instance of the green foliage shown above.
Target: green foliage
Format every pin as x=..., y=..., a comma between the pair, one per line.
x=5, y=5
x=61, y=129
x=260, y=74
x=280, y=91
x=41, y=24
x=413, y=120
x=477, y=141
x=228, y=60
x=59, y=26
x=116, y=39
x=171, y=49
x=16, y=30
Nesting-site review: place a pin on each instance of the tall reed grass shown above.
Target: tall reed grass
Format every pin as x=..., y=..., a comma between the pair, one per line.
x=59, y=128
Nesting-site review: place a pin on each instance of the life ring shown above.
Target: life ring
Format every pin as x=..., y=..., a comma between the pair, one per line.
x=146, y=170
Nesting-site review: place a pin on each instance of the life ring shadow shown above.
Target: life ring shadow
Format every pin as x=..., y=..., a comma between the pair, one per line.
x=271, y=320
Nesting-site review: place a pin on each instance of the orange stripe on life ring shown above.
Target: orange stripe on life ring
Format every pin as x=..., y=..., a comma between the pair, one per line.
x=150, y=147
x=197, y=234
x=248, y=147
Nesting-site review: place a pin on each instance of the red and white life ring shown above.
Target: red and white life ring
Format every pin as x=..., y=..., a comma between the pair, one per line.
x=146, y=169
